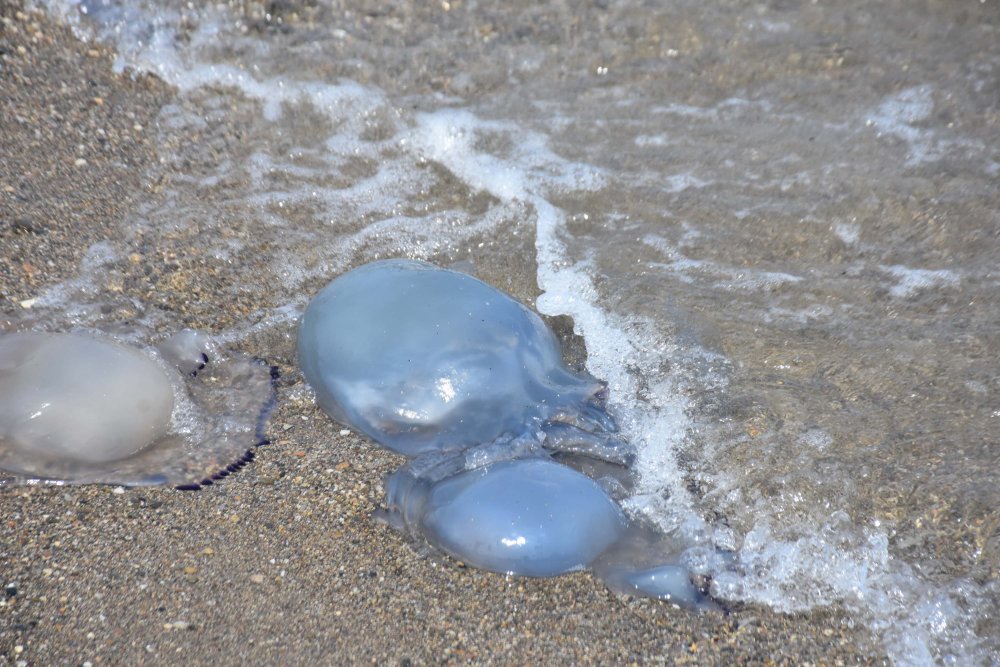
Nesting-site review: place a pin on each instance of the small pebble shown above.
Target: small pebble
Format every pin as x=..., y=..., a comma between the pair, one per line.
x=257, y=578
x=80, y=162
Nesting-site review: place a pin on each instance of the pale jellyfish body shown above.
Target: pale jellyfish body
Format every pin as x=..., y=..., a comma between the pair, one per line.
x=79, y=408
x=69, y=397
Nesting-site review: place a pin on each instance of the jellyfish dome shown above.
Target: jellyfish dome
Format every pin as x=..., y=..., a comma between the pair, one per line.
x=531, y=517
x=70, y=398
x=425, y=359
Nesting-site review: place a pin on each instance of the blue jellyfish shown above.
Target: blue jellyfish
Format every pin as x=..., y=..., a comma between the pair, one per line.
x=526, y=516
x=424, y=359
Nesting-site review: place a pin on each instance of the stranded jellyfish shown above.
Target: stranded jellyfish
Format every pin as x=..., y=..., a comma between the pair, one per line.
x=80, y=408
x=78, y=400
x=528, y=516
x=423, y=359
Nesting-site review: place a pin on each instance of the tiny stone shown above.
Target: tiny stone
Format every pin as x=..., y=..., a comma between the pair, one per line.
x=27, y=225
x=80, y=162
x=207, y=551
x=257, y=578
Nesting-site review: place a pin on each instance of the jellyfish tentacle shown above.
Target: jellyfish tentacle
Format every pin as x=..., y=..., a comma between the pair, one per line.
x=584, y=419
x=567, y=438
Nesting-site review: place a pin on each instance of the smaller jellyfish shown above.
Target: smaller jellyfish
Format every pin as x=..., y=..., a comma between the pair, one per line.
x=525, y=516
x=74, y=398
x=78, y=408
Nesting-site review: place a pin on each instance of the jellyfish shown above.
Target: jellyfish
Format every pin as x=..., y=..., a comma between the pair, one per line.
x=56, y=391
x=525, y=516
x=424, y=359
x=79, y=407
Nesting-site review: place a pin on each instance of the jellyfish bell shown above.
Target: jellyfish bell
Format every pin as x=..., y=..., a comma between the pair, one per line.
x=75, y=399
x=528, y=516
x=84, y=408
x=426, y=359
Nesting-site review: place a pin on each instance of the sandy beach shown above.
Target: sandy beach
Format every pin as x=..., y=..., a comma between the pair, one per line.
x=283, y=562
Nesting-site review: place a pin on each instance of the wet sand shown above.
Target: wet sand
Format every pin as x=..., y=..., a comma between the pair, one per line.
x=283, y=562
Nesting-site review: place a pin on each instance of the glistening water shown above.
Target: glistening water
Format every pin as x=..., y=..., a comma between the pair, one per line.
x=774, y=225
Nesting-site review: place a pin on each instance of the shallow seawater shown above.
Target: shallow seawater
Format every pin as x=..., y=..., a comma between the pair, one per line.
x=774, y=227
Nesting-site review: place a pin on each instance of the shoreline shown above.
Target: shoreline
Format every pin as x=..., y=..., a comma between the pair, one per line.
x=281, y=563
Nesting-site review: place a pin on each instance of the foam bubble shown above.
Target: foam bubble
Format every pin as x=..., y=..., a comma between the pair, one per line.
x=913, y=281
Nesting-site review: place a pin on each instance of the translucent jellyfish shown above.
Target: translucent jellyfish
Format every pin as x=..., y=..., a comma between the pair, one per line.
x=54, y=390
x=526, y=516
x=81, y=408
x=425, y=359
